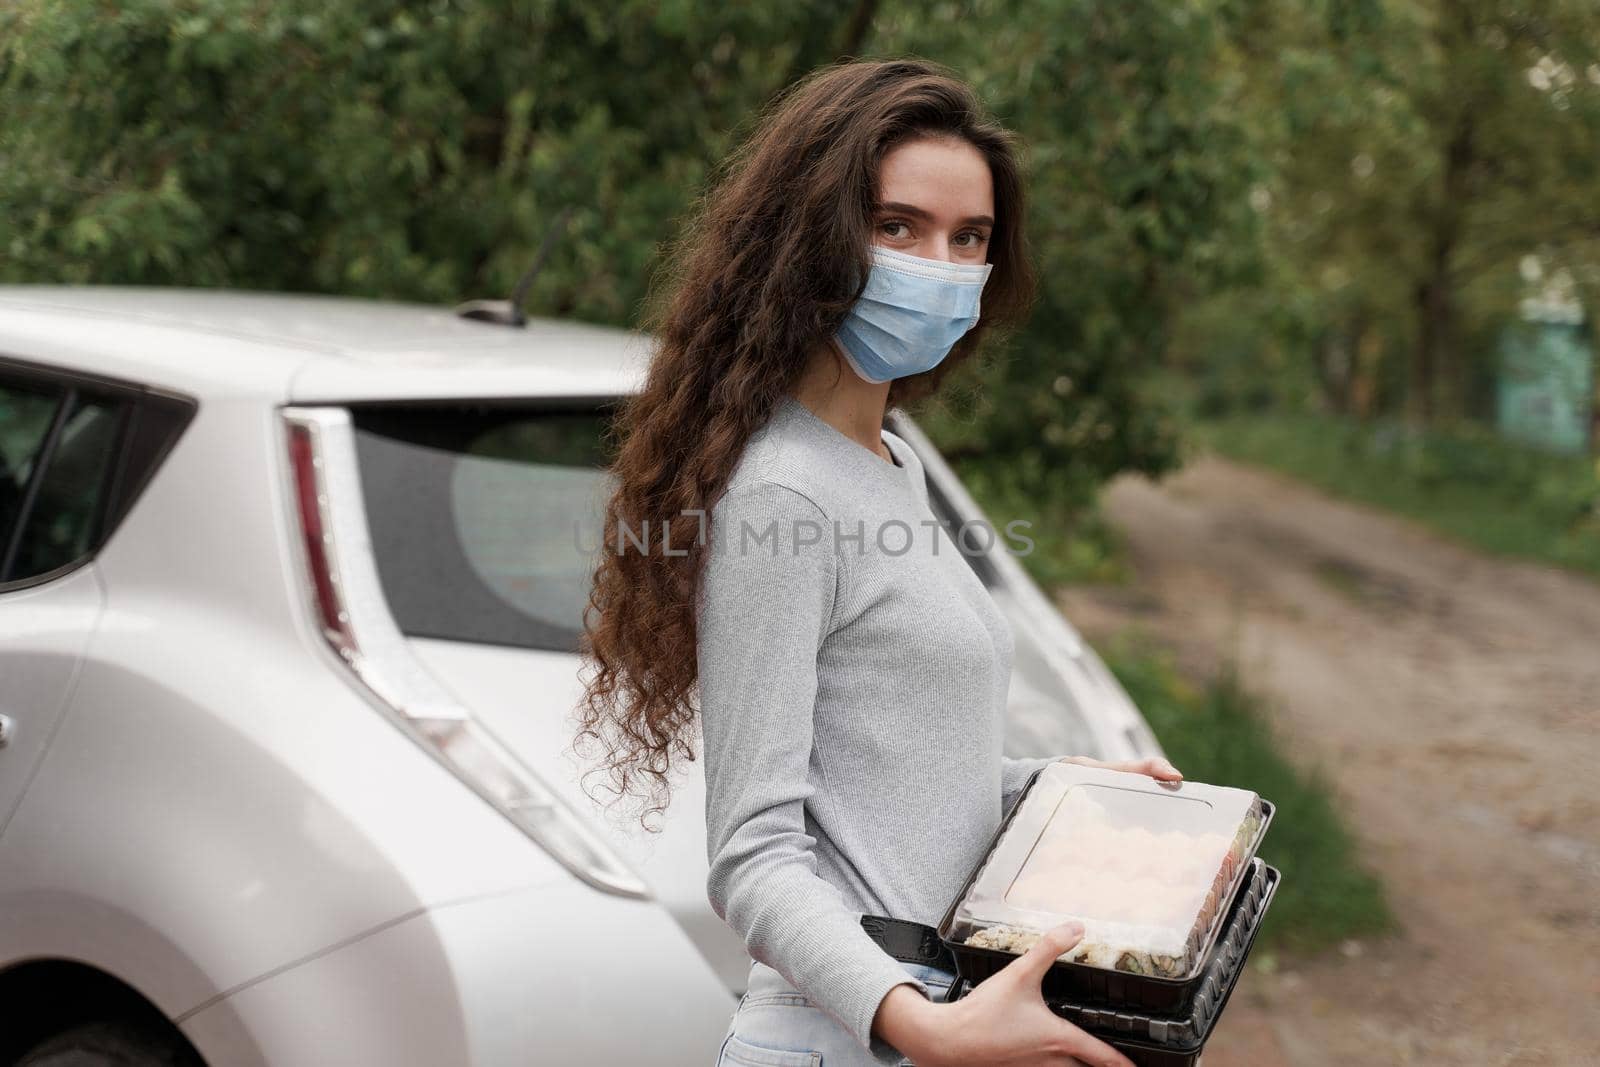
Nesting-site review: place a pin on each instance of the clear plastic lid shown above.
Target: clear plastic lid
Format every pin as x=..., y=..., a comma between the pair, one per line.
x=1147, y=867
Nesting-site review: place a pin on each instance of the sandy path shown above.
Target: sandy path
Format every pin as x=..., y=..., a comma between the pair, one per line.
x=1455, y=701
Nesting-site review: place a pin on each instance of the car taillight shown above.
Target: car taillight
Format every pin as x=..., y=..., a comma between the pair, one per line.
x=354, y=618
x=303, y=461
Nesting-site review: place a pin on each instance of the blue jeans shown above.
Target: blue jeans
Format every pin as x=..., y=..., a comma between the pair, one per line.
x=775, y=1025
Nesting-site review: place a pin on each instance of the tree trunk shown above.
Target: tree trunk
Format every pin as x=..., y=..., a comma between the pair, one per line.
x=833, y=43
x=1435, y=386
x=1419, y=379
x=1435, y=379
x=1369, y=355
x=855, y=34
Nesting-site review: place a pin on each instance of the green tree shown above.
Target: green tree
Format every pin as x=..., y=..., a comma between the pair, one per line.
x=391, y=148
x=1140, y=162
x=418, y=149
x=1423, y=147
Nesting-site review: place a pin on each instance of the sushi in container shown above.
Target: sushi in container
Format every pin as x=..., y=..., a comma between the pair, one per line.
x=1177, y=1040
x=1148, y=867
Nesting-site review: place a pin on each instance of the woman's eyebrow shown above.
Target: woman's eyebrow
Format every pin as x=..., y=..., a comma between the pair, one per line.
x=904, y=209
x=915, y=212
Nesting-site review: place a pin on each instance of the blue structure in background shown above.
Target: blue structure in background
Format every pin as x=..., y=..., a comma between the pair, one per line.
x=1547, y=384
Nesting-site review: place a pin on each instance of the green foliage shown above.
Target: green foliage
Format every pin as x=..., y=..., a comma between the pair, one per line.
x=1252, y=191
x=1465, y=482
x=1220, y=733
x=1140, y=162
x=1421, y=149
x=382, y=148
x=418, y=150
x=1072, y=541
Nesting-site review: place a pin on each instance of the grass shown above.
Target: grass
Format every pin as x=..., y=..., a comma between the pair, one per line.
x=1468, y=484
x=1220, y=733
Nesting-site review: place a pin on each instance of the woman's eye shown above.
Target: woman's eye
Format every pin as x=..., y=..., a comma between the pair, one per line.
x=889, y=229
x=970, y=239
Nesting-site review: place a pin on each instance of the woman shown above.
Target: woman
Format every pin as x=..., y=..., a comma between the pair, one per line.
x=850, y=670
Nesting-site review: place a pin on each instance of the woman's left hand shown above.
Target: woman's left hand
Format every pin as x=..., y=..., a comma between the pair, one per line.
x=1154, y=766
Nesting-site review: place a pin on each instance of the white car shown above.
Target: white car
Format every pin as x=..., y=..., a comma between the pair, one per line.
x=290, y=597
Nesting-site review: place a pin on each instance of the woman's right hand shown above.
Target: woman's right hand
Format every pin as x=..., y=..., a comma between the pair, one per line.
x=1003, y=1022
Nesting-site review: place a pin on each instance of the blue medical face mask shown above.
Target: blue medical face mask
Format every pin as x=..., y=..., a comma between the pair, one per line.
x=910, y=315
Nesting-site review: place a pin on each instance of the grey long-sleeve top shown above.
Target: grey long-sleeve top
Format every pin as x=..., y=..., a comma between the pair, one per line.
x=853, y=676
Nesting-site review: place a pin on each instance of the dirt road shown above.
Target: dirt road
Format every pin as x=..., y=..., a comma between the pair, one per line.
x=1455, y=701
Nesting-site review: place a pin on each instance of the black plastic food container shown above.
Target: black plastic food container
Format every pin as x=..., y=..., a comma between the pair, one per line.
x=1075, y=982
x=1177, y=1040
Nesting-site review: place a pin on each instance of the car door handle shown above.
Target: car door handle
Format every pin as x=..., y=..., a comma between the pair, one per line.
x=8, y=730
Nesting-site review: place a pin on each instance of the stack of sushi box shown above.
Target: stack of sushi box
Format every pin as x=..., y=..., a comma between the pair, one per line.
x=1165, y=879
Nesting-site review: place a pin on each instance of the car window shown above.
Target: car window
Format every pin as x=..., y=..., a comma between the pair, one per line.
x=63, y=520
x=26, y=411
x=484, y=519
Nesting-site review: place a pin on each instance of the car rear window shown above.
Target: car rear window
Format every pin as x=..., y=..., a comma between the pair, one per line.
x=485, y=518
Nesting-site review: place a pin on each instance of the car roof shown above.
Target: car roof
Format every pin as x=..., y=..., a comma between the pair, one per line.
x=307, y=348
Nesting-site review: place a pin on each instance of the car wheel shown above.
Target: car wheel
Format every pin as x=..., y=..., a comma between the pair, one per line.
x=109, y=1043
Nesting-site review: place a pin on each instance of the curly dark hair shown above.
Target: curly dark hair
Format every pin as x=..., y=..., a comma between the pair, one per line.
x=775, y=256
